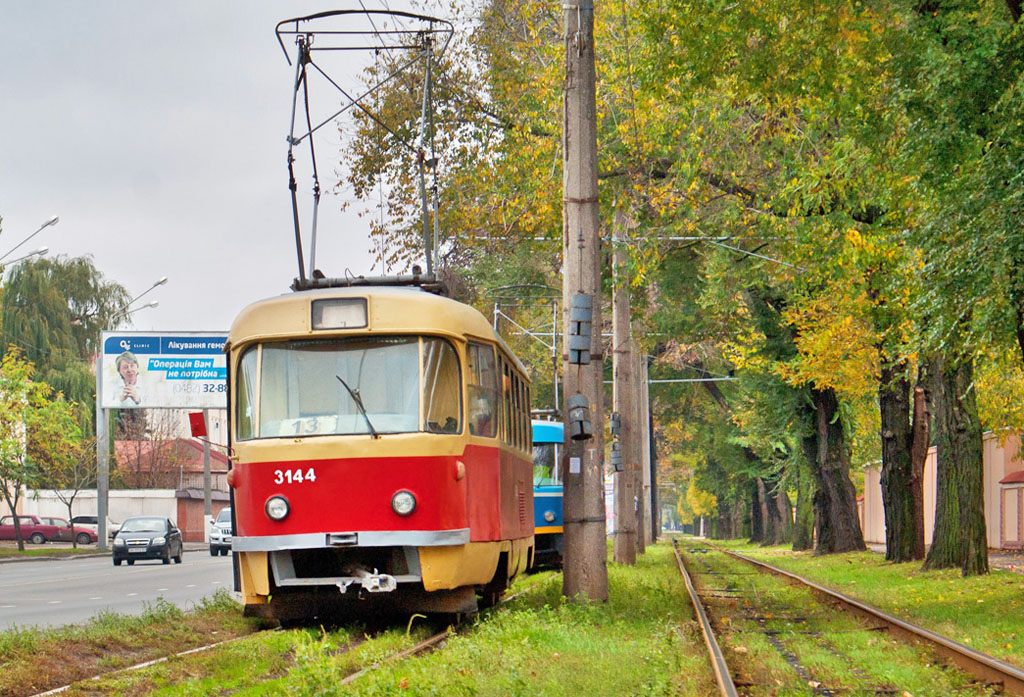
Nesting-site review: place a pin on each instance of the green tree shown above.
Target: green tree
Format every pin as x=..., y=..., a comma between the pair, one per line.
x=53, y=311
x=36, y=430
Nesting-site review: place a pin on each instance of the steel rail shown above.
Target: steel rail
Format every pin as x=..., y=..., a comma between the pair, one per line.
x=417, y=649
x=146, y=664
x=980, y=665
x=412, y=651
x=723, y=677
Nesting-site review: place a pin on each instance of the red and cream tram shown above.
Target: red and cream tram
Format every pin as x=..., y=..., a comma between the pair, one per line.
x=380, y=448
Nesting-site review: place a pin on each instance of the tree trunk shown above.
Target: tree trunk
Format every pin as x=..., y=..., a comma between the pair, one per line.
x=774, y=510
x=738, y=516
x=959, y=539
x=918, y=456
x=835, y=499
x=12, y=504
x=756, y=510
x=783, y=515
x=723, y=531
x=803, y=527
x=897, y=470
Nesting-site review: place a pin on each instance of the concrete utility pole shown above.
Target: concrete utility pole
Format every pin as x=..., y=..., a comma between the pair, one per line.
x=585, y=566
x=102, y=460
x=650, y=456
x=638, y=412
x=207, y=477
x=645, y=509
x=624, y=398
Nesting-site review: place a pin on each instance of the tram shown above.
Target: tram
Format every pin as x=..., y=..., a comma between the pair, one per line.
x=548, y=437
x=380, y=450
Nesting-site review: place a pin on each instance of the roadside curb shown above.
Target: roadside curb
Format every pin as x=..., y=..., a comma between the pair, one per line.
x=188, y=547
x=56, y=557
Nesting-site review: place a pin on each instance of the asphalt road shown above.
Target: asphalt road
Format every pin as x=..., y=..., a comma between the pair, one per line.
x=57, y=592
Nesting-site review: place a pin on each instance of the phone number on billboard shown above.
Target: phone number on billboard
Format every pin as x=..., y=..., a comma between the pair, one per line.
x=203, y=388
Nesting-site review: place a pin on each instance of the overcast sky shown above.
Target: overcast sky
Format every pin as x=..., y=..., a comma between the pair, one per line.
x=156, y=131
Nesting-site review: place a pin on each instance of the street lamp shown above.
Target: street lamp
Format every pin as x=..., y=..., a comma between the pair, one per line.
x=162, y=281
x=51, y=221
x=125, y=311
x=151, y=303
x=39, y=252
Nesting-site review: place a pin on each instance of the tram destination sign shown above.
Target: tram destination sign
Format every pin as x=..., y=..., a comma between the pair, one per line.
x=180, y=370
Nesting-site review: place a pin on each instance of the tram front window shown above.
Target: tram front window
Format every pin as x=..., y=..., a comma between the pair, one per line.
x=545, y=464
x=358, y=385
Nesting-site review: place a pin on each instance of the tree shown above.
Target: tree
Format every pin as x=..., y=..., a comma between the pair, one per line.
x=150, y=454
x=69, y=467
x=35, y=430
x=53, y=311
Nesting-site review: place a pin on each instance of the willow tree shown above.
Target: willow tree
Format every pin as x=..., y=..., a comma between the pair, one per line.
x=53, y=310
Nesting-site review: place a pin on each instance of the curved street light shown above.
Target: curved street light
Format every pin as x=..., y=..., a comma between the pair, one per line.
x=53, y=220
x=162, y=281
x=39, y=252
x=123, y=312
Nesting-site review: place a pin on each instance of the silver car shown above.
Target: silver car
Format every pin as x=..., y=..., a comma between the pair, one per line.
x=220, y=533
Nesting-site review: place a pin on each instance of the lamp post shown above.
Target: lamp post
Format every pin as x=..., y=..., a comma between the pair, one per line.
x=39, y=252
x=53, y=220
x=127, y=309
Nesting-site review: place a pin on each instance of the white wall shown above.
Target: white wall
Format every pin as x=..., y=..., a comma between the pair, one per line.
x=121, y=503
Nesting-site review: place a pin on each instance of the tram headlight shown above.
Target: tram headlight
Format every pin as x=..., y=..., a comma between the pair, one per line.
x=339, y=313
x=549, y=516
x=403, y=503
x=277, y=508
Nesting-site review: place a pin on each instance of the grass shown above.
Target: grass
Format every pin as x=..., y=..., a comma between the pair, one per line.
x=834, y=649
x=982, y=612
x=33, y=551
x=34, y=660
x=642, y=642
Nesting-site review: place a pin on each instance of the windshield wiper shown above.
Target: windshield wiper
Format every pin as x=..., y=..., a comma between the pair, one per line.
x=359, y=403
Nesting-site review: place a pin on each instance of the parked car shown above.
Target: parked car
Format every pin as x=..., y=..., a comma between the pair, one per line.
x=82, y=535
x=91, y=522
x=220, y=533
x=147, y=537
x=32, y=529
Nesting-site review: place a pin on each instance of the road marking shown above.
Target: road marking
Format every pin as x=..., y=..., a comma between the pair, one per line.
x=97, y=597
x=54, y=602
x=4, y=607
x=160, y=589
x=191, y=585
x=128, y=595
x=216, y=582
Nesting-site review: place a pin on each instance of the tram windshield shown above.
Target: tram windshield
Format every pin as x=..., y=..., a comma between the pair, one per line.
x=545, y=464
x=357, y=385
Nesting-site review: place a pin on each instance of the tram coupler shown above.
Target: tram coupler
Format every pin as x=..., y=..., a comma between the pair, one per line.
x=371, y=582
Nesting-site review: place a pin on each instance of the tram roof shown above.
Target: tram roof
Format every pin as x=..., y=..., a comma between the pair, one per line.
x=389, y=309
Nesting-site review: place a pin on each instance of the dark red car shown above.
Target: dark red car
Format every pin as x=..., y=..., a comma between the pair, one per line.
x=32, y=529
x=83, y=536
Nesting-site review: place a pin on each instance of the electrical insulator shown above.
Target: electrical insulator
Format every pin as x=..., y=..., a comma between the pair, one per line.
x=617, y=457
x=581, y=317
x=579, y=418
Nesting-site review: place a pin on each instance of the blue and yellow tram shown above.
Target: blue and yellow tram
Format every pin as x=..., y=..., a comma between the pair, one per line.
x=548, y=437
x=380, y=449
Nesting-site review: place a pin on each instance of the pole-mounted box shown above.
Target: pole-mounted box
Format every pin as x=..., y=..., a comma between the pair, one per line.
x=581, y=318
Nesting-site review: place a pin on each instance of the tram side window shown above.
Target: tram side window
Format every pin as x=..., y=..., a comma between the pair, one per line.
x=517, y=402
x=442, y=406
x=506, y=393
x=245, y=415
x=482, y=384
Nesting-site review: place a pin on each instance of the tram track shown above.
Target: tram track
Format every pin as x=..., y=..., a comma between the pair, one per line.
x=982, y=666
x=429, y=644
x=787, y=642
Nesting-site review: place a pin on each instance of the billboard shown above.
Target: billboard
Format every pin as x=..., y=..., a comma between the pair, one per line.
x=180, y=370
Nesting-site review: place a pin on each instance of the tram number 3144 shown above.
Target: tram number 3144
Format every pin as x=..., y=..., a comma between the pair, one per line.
x=294, y=476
